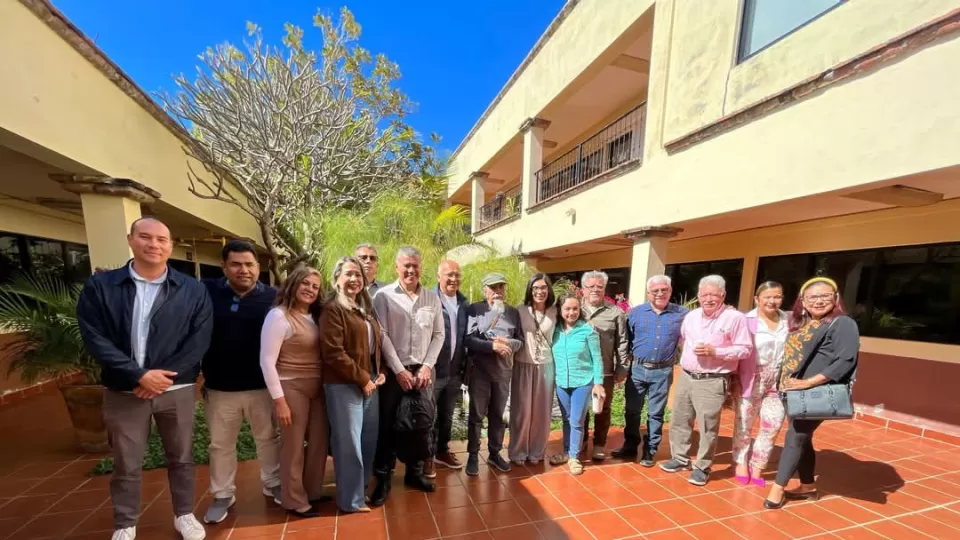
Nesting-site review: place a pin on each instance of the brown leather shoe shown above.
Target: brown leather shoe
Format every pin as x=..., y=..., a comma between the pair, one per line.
x=429, y=471
x=448, y=460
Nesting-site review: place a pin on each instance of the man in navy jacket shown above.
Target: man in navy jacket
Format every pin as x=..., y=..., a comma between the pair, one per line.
x=149, y=327
x=451, y=362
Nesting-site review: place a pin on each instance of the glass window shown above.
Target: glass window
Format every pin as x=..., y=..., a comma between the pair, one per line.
x=685, y=278
x=767, y=21
x=46, y=257
x=910, y=293
x=618, y=281
x=11, y=260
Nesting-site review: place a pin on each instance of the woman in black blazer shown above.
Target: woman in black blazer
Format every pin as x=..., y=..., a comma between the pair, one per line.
x=822, y=347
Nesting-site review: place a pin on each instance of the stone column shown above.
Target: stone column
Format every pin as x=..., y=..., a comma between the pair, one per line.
x=748, y=283
x=110, y=206
x=649, y=257
x=532, y=130
x=478, y=185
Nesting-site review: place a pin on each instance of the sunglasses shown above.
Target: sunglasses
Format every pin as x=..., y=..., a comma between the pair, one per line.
x=372, y=258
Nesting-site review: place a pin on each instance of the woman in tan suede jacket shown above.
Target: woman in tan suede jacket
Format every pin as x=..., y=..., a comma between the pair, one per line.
x=350, y=349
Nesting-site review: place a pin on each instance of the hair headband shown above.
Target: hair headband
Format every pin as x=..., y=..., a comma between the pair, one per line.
x=820, y=279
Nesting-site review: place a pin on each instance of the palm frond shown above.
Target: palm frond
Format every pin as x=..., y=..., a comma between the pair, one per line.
x=41, y=311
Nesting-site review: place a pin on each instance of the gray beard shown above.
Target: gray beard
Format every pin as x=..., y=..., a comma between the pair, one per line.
x=497, y=307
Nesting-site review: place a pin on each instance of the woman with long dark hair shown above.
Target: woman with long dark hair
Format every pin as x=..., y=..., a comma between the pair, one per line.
x=823, y=346
x=531, y=388
x=579, y=374
x=290, y=360
x=756, y=395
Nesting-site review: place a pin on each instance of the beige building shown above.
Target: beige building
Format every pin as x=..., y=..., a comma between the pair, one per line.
x=83, y=153
x=757, y=139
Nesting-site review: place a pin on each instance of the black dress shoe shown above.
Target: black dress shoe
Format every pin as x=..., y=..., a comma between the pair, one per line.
x=312, y=512
x=417, y=481
x=381, y=491
x=624, y=452
x=802, y=496
x=770, y=505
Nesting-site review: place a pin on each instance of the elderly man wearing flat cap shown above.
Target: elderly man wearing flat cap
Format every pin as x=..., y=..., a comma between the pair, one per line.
x=493, y=336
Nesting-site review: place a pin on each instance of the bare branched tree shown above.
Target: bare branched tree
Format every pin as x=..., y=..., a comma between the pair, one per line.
x=288, y=132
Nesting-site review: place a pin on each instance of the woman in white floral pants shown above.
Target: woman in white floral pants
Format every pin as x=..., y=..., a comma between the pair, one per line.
x=757, y=395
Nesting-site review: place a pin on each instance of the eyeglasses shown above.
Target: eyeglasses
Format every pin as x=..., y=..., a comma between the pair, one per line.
x=659, y=292
x=828, y=297
x=541, y=288
x=372, y=258
x=599, y=287
x=236, y=304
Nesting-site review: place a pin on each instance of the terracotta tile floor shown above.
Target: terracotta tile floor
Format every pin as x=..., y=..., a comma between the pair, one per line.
x=878, y=484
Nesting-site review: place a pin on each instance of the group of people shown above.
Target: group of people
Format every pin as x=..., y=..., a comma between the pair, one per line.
x=368, y=371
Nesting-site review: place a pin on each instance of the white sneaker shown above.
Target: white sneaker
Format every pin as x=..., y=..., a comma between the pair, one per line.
x=130, y=533
x=189, y=528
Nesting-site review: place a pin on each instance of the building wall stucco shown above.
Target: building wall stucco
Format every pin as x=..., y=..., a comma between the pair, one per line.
x=771, y=159
x=590, y=29
x=706, y=83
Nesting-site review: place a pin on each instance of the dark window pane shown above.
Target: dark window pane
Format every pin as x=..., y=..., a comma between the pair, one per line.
x=11, y=262
x=46, y=257
x=182, y=266
x=209, y=271
x=910, y=293
x=686, y=278
x=77, y=263
x=766, y=21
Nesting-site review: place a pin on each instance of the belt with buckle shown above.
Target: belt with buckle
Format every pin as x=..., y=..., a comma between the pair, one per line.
x=699, y=376
x=656, y=365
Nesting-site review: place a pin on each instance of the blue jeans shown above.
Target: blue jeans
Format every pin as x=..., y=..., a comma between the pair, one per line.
x=654, y=384
x=573, y=408
x=353, y=439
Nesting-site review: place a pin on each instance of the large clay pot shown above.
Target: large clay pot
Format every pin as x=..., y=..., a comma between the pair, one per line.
x=85, y=404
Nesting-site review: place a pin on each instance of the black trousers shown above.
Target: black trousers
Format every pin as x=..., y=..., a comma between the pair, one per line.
x=798, y=454
x=445, y=393
x=488, y=399
x=385, y=460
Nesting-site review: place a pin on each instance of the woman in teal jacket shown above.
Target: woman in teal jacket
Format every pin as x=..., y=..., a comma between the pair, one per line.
x=579, y=369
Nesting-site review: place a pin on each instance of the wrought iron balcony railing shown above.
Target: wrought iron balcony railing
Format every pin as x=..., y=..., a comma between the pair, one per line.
x=503, y=206
x=619, y=143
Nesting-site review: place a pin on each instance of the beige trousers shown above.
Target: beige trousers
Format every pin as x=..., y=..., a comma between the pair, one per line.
x=302, y=469
x=225, y=412
x=699, y=400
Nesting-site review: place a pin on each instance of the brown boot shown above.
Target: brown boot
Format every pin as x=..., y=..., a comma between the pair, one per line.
x=429, y=470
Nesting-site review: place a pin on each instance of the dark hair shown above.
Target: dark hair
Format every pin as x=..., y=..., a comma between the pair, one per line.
x=287, y=293
x=766, y=285
x=798, y=315
x=237, y=246
x=528, y=296
x=568, y=296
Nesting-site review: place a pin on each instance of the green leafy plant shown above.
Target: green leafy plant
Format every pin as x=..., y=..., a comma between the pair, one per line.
x=41, y=311
x=399, y=217
x=154, y=458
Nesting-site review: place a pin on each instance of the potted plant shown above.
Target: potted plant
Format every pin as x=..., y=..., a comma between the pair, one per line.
x=40, y=310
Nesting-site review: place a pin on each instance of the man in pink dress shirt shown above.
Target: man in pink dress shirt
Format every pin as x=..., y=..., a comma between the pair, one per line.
x=715, y=339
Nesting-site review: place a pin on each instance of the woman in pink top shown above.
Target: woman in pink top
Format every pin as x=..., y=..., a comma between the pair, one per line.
x=756, y=394
x=290, y=360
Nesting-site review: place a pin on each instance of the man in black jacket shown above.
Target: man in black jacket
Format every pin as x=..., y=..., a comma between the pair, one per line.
x=450, y=363
x=148, y=326
x=494, y=335
x=233, y=381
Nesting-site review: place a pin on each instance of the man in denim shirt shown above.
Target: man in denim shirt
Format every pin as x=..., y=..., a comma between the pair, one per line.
x=654, y=329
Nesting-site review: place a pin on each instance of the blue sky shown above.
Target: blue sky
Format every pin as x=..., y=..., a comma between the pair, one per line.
x=454, y=56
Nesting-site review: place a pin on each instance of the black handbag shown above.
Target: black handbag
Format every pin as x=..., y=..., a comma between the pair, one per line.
x=831, y=401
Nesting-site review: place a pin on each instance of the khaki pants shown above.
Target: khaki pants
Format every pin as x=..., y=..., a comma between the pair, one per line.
x=225, y=413
x=700, y=399
x=302, y=469
x=127, y=418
